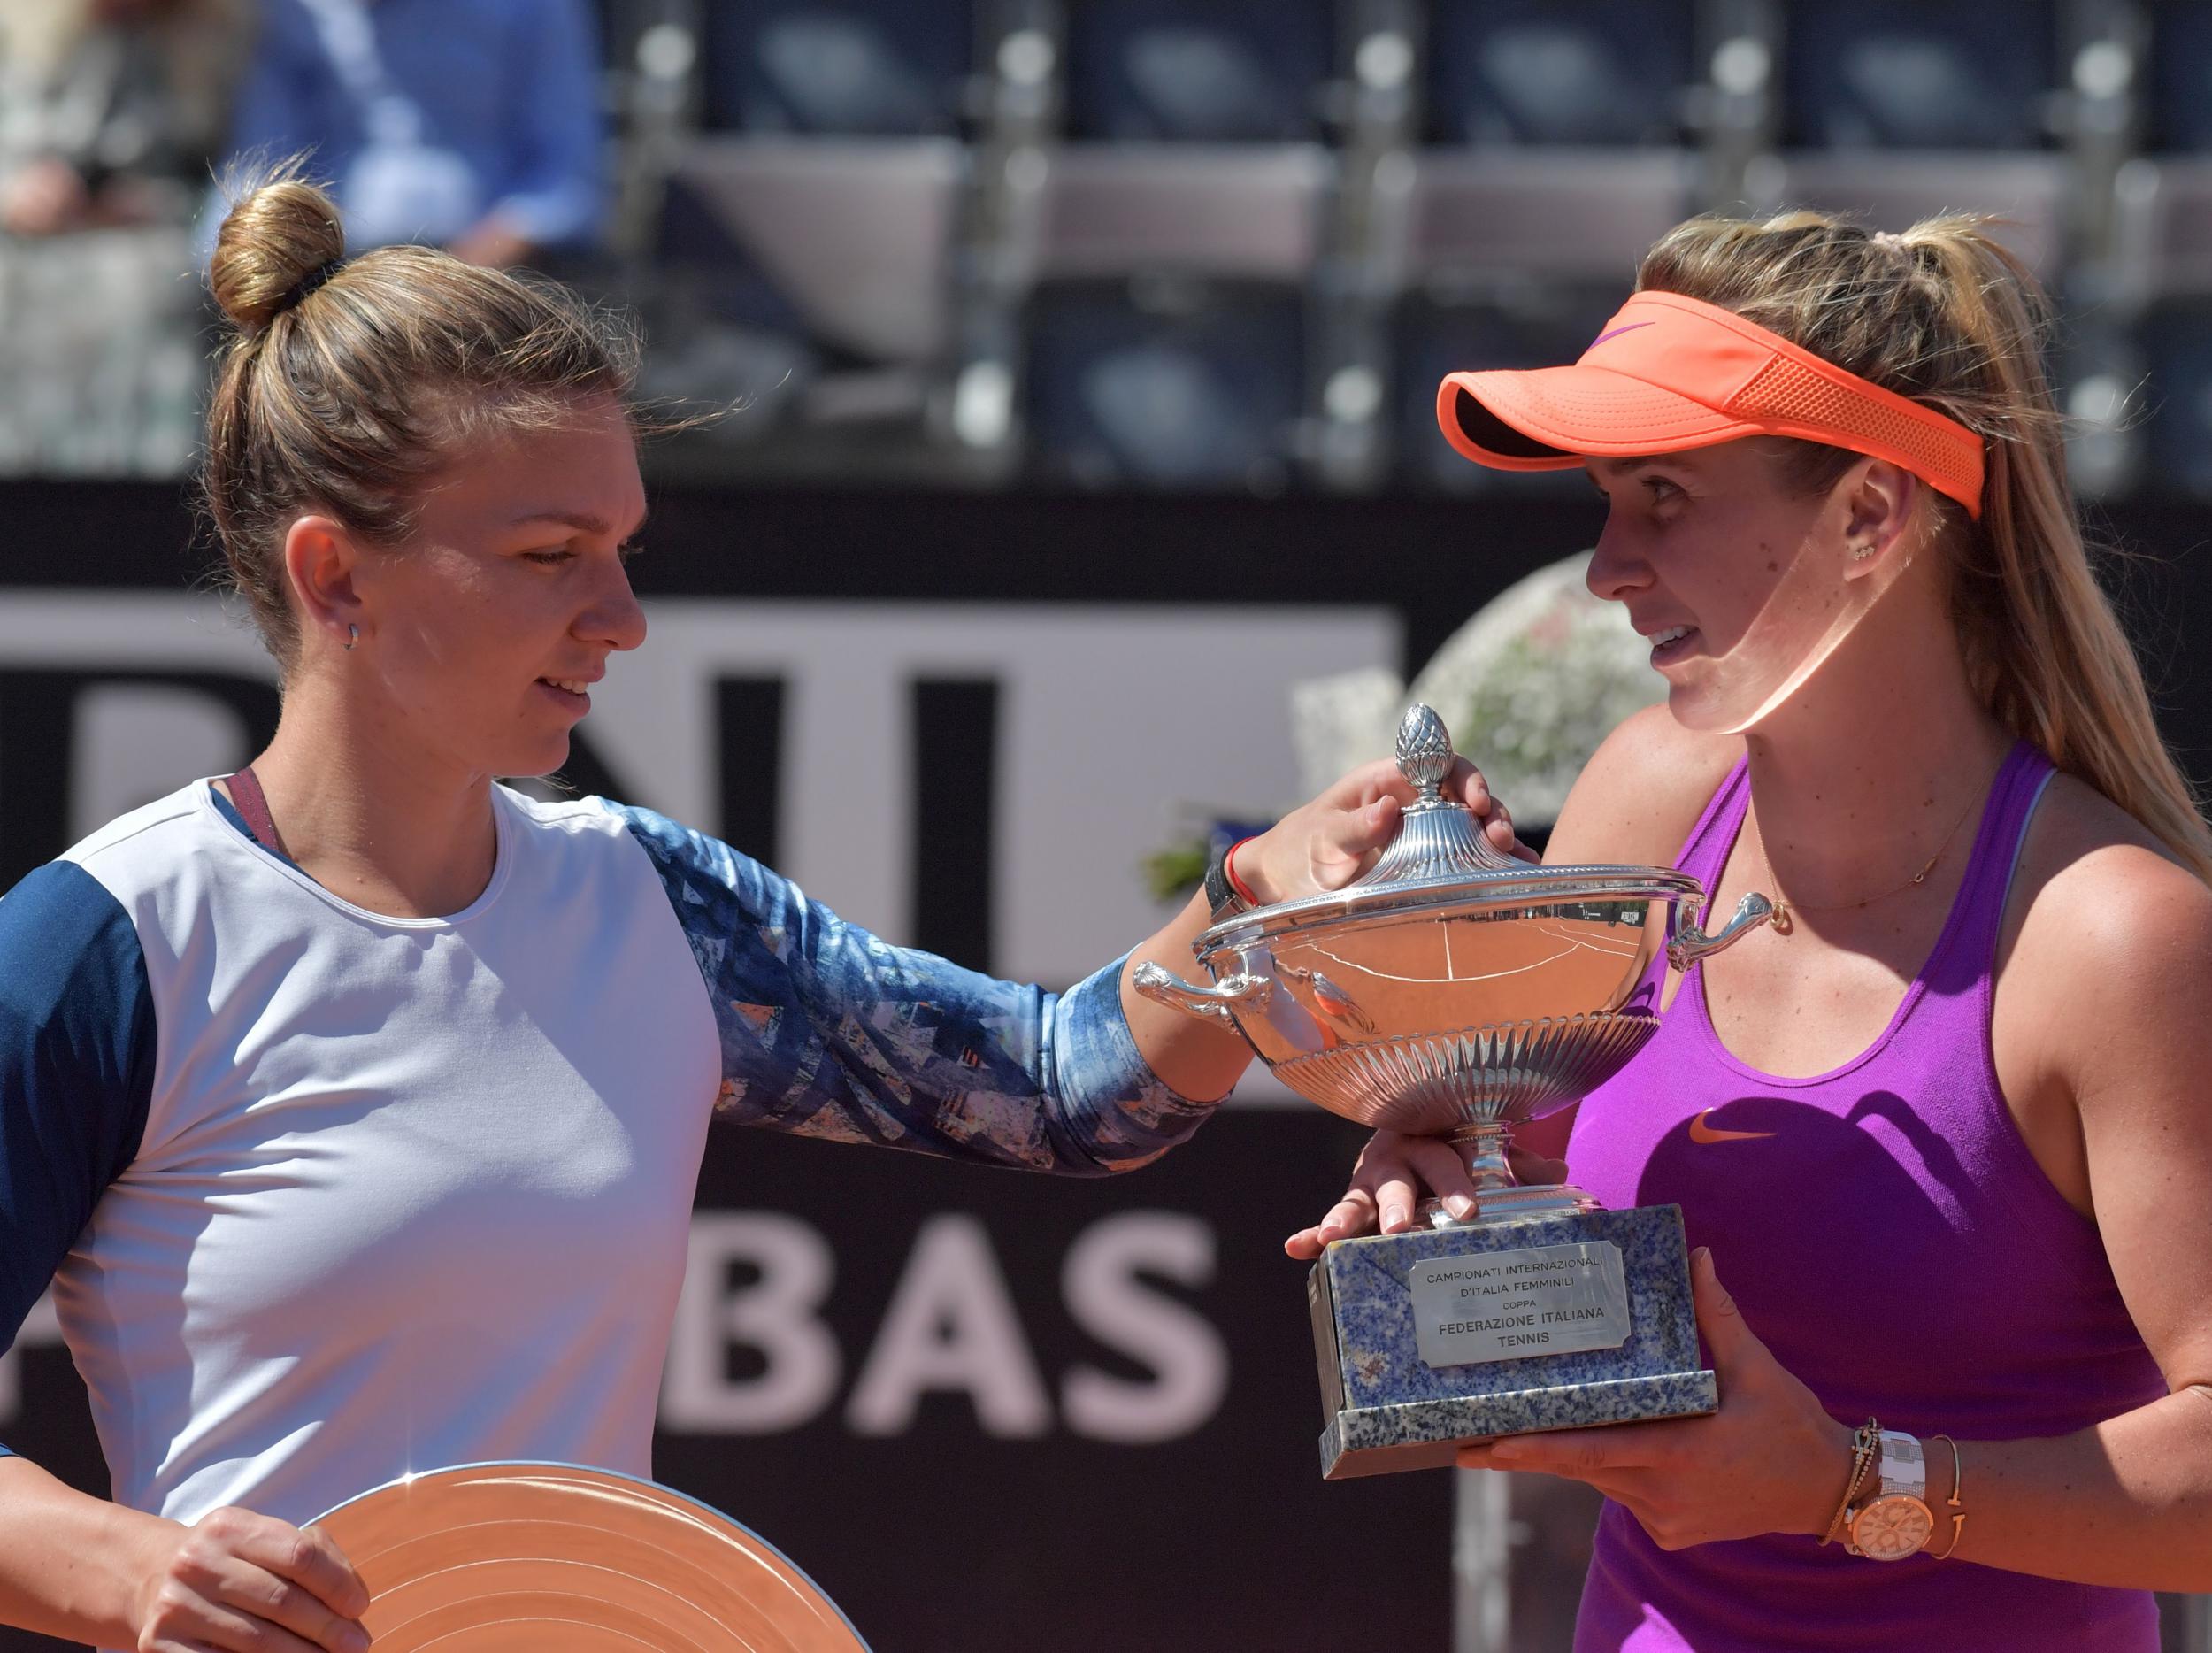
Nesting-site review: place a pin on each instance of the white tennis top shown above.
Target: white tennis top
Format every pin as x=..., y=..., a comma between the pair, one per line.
x=327, y=1196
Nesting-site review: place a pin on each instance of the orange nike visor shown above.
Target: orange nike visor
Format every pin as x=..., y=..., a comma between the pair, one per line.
x=1669, y=374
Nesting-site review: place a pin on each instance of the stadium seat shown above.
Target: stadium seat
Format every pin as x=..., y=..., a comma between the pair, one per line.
x=2181, y=76
x=1516, y=258
x=2163, y=229
x=1916, y=75
x=874, y=68
x=619, y=23
x=848, y=242
x=1545, y=215
x=1250, y=213
x=2177, y=341
x=1228, y=71
x=1165, y=384
x=793, y=278
x=1559, y=72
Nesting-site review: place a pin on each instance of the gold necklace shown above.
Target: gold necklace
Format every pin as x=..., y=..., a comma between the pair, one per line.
x=1784, y=923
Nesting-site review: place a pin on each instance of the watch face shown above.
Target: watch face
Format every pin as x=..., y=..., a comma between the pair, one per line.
x=1891, y=1528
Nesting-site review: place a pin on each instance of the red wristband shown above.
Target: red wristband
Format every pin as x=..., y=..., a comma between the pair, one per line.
x=1229, y=871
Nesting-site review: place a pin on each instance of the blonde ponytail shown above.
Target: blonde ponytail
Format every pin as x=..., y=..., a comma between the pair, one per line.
x=1946, y=316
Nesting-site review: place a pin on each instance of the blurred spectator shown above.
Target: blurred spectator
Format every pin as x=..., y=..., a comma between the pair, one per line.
x=110, y=110
x=472, y=124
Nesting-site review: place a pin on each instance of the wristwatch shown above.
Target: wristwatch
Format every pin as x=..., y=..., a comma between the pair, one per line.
x=1895, y=1522
x=1222, y=899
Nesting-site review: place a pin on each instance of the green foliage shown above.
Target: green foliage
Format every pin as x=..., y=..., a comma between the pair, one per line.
x=1173, y=872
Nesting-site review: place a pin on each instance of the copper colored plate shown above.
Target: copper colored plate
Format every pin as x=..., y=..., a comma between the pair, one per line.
x=510, y=1557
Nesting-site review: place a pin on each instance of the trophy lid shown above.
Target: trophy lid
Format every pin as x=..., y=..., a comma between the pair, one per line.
x=1436, y=838
x=1441, y=859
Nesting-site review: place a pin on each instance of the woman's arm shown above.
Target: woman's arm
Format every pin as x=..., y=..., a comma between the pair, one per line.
x=77, y=1039
x=69, y=1563
x=2103, y=1002
x=551, y=193
x=87, y=1570
x=2126, y=1503
x=828, y=1030
x=2104, y=998
x=831, y=1032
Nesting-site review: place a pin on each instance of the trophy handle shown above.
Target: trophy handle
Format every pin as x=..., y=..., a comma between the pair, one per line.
x=1164, y=987
x=1688, y=944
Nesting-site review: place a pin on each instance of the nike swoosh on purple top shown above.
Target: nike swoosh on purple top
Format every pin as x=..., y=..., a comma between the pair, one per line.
x=1701, y=1131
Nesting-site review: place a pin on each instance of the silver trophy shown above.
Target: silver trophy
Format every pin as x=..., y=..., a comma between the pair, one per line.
x=1453, y=991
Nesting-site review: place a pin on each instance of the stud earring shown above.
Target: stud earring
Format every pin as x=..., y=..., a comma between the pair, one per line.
x=353, y=635
x=1863, y=551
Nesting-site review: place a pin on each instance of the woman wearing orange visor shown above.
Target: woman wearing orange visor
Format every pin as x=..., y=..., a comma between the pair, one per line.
x=1944, y=1130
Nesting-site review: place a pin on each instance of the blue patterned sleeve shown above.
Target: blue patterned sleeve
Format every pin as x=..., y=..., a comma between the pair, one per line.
x=828, y=1030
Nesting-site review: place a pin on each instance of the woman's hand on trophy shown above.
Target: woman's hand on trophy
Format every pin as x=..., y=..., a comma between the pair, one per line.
x=1771, y=1460
x=1332, y=841
x=1392, y=1174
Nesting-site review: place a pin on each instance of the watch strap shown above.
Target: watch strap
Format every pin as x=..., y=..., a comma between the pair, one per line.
x=1904, y=1466
x=1901, y=1471
x=1222, y=899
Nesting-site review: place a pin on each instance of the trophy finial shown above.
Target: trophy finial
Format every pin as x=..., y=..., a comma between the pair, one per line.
x=1424, y=749
x=1437, y=838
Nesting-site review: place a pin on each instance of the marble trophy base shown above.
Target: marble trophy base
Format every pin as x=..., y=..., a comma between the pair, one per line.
x=1388, y=1408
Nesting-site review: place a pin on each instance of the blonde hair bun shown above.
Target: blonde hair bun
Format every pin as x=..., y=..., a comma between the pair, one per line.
x=278, y=236
x=424, y=356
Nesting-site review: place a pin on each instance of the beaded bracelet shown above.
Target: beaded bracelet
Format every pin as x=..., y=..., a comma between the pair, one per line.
x=1866, y=1445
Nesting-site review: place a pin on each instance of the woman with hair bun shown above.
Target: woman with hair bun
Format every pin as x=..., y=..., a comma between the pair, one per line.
x=353, y=1104
x=1944, y=1129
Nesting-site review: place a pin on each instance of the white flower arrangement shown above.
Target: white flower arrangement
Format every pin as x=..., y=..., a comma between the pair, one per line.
x=1529, y=688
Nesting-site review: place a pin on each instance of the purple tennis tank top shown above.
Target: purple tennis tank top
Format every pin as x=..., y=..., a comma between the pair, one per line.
x=1886, y=1232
